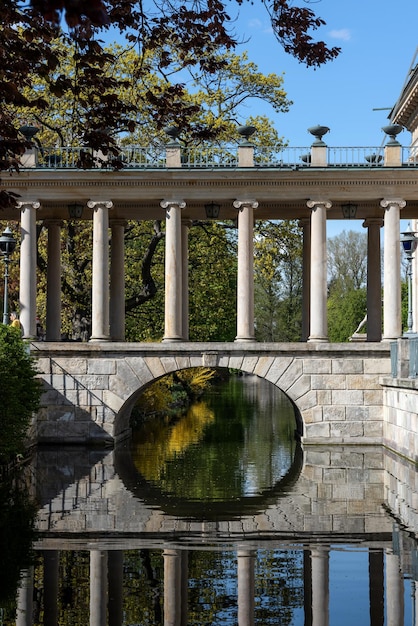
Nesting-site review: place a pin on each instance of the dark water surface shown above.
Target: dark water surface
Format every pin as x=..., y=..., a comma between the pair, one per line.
x=218, y=518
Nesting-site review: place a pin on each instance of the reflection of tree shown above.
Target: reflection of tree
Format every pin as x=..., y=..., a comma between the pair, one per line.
x=159, y=441
x=17, y=515
x=233, y=444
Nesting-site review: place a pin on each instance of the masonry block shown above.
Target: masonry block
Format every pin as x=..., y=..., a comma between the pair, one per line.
x=347, y=366
x=101, y=366
x=278, y=369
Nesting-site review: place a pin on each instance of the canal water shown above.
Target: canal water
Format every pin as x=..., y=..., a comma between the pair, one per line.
x=218, y=517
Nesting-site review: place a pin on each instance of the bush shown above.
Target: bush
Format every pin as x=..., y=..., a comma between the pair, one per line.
x=19, y=392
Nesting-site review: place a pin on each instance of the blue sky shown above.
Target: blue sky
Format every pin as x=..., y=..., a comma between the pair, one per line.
x=378, y=40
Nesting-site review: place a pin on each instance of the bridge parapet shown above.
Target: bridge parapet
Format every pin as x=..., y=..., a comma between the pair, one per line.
x=90, y=388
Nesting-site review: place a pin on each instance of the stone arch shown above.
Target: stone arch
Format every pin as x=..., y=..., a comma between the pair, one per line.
x=135, y=374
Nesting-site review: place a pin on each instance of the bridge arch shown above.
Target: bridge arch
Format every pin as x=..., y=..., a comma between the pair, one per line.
x=163, y=366
x=90, y=388
x=122, y=418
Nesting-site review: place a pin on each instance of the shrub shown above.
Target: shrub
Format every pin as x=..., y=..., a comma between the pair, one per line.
x=19, y=392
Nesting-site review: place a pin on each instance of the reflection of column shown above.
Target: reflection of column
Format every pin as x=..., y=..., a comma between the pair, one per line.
x=185, y=227
x=51, y=565
x=100, y=273
x=394, y=591
x=184, y=587
x=305, y=224
x=392, y=324
x=245, y=278
x=374, y=282
x=25, y=599
x=117, y=281
x=115, y=566
x=172, y=587
x=173, y=270
x=318, y=306
x=376, y=588
x=320, y=587
x=53, y=281
x=246, y=585
x=307, y=587
x=28, y=268
x=98, y=588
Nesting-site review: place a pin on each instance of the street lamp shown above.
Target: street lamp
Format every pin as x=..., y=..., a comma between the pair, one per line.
x=409, y=243
x=7, y=246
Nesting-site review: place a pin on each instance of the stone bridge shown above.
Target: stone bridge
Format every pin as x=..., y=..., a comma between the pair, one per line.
x=90, y=388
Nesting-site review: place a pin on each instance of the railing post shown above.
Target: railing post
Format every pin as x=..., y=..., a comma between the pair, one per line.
x=319, y=156
x=245, y=155
x=393, y=155
x=173, y=154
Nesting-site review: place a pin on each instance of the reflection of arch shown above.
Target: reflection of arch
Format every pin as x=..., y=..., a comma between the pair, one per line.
x=193, y=509
x=122, y=418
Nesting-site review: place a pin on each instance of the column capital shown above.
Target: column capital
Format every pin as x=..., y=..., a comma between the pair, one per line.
x=372, y=221
x=53, y=221
x=30, y=204
x=118, y=222
x=387, y=202
x=240, y=204
x=314, y=203
x=95, y=204
x=168, y=204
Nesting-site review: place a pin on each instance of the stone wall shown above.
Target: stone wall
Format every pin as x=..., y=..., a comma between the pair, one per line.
x=400, y=416
x=89, y=389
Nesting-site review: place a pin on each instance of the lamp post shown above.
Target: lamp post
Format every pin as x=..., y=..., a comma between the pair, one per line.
x=7, y=246
x=409, y=243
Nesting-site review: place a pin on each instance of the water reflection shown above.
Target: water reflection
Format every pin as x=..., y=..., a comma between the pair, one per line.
x=330, y=539
x=298, y=584
x=232, y=453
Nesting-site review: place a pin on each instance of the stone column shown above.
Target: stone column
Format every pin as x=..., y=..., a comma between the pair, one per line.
x=115, y=566
x=100, y=286
x=172, y=587
x=306, y=277
x=318, y=306
x=246, y=587
x=414, y=226
x=28, y=268
x=117, y=281
x=24, y=616
x=245, y=279
x=98, y=588
x=53, y=281
x=394, y=591
x=185, y=227
x=173, y=270
x=392, y=323
x=320, y=587
x=51, y=567
x=374, y=282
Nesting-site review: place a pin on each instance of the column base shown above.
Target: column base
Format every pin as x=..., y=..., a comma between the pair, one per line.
x=245, y=340
x=172, y=339
x=103, y=338
x=313, y=339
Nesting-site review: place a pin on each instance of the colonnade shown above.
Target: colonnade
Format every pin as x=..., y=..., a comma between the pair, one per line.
x=108, y=285
x=385, y=577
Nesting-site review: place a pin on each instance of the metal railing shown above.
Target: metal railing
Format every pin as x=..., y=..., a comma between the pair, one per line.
x=282, y=156
x=413, y=357
x=206, y=157
x=355, y=156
